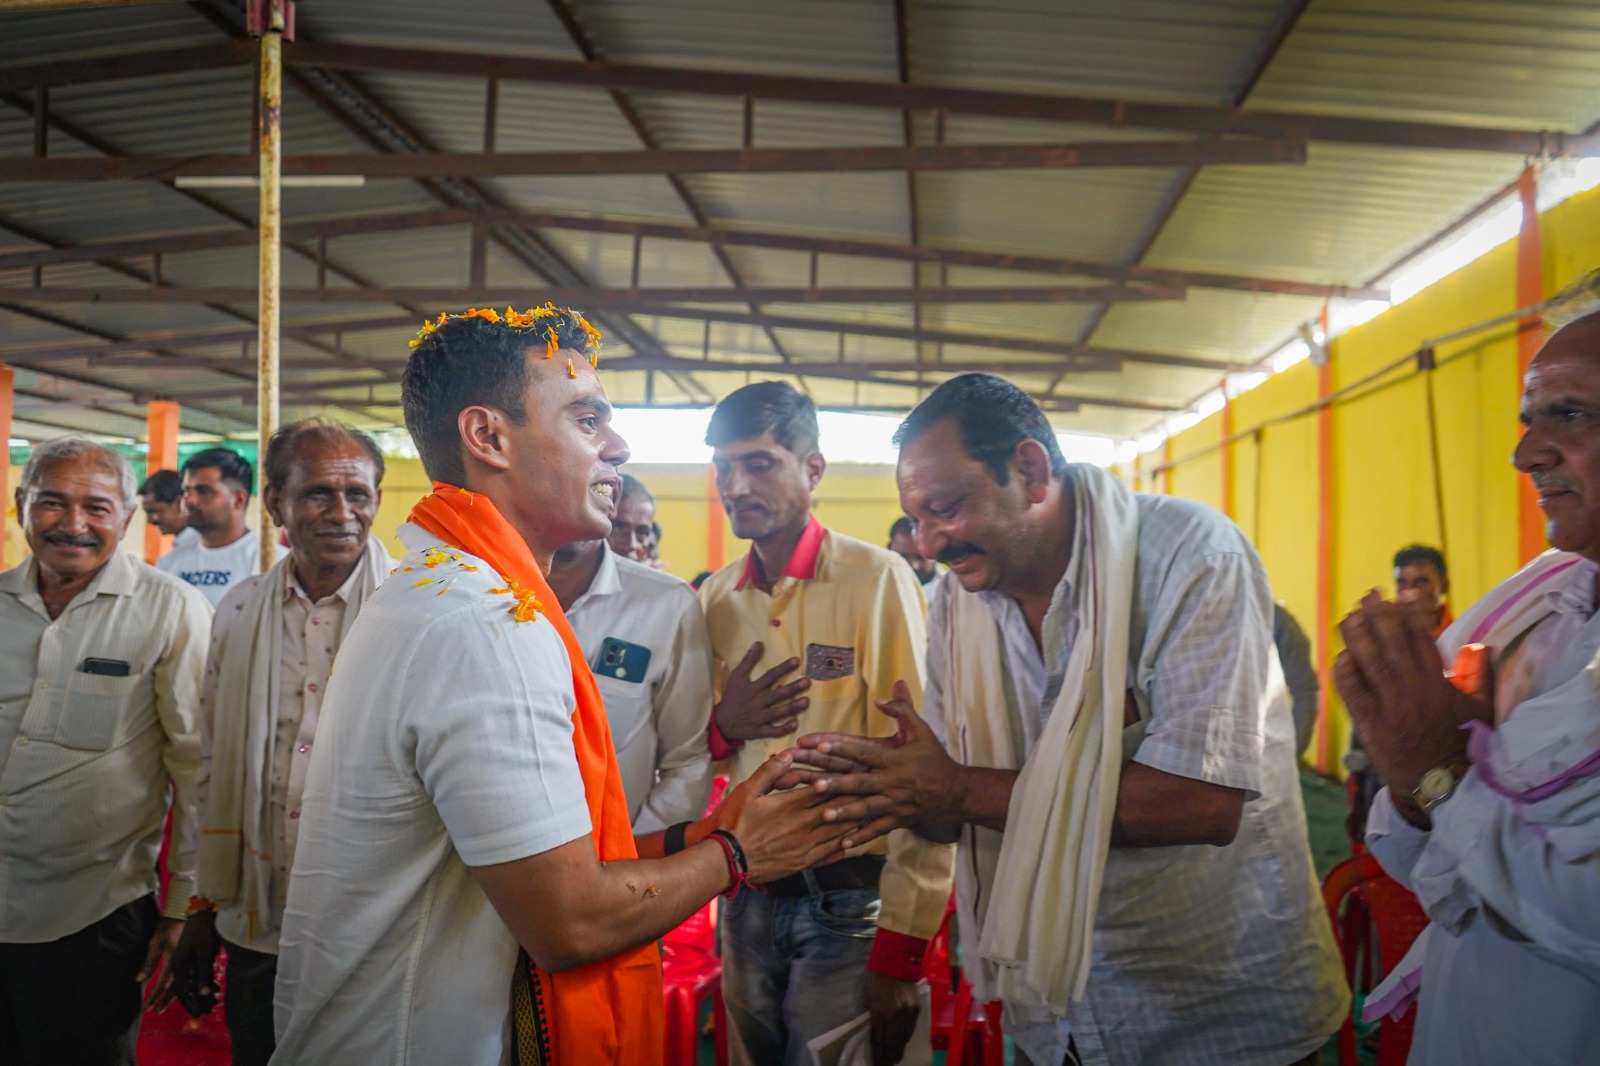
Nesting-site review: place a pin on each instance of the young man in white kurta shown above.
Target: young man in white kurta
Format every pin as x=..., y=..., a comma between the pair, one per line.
x=453, y=742
x=658, y=721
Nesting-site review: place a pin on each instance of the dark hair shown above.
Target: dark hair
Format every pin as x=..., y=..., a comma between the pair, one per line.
x=285, y=443
x=901, y=525
x=165, y=485
x=700, y=578
x=1421, y=555
x=633, y=488
x=468, y=362
x=655, y=531
x=229, y=465
x=994, y=417
x=754, y=409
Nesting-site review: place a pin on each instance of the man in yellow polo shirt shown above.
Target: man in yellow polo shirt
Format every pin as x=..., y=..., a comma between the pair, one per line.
x=817, y=948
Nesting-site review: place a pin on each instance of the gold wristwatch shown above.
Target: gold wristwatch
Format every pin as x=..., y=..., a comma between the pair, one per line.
x=1438, y=785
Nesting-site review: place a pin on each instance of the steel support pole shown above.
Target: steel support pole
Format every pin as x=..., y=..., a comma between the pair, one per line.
x=269, y=141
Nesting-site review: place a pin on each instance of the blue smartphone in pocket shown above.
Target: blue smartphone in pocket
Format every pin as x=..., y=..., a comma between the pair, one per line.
x=622, y=660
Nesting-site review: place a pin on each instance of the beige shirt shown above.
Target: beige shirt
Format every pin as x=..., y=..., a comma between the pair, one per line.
x=852, y=613
x=88, y=760
x=310, y=641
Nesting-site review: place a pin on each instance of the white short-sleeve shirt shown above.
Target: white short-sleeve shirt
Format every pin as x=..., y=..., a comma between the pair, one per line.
x=445, y=742
x=215, y=570
x=645, y=637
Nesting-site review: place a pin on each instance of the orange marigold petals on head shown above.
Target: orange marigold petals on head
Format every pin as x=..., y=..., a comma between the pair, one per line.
x=522, y=320
x=571, y=370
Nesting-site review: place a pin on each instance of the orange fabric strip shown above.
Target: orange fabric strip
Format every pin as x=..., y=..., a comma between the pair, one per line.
x=609, y=1011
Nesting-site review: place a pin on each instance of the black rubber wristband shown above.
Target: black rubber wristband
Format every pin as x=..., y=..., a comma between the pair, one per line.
x=673, y=843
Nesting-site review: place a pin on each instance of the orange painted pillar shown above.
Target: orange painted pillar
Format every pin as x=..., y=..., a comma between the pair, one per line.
x=163, y=437
x=7, y=395
x=1324, y=620
x=1530, y=290
x=716, y=548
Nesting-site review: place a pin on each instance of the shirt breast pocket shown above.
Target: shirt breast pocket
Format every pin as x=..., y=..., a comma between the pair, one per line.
x=627, y=708
x=92, y=710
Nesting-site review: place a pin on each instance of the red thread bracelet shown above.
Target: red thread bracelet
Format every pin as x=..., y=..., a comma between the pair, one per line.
x=739, y=876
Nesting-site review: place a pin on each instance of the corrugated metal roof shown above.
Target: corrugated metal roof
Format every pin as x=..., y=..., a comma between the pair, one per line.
x=1232, y=326
x=39, y=36
x=1158, y=50
x=1529, y=65
x=1336, y=220
x=830, y=38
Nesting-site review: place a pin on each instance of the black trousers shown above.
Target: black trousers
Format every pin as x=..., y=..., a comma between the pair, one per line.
x=247, y=1004
x=73, y=1001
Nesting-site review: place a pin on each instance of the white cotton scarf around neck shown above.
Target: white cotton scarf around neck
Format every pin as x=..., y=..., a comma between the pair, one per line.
x=1032, y=892
x=235, y=843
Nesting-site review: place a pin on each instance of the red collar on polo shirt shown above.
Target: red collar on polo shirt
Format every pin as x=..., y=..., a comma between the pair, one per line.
x=802, y=564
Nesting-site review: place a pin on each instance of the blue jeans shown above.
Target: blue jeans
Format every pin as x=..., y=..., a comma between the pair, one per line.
x=793, y=967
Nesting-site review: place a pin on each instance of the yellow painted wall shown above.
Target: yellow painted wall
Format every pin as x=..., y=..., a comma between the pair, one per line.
x=1383, y=487
x=854, y=498
x=858, y=499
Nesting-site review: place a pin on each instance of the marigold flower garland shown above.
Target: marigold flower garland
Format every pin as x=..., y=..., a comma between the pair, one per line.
x=526, y=605
x=523, y=320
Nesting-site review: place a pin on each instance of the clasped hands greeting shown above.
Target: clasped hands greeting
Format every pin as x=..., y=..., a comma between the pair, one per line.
x=1410, y=716
x=879, y=784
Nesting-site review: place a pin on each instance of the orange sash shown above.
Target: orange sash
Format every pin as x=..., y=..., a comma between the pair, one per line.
x=608, y=1011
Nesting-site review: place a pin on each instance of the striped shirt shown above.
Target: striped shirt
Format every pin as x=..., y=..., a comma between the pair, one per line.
x=1202, y=955
x=87, y=759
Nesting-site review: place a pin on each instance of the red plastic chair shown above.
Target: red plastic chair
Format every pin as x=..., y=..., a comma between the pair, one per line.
x=691, y=977
x=692, y=974
x=1375, y=920
x=173, y=1038
x=981, y=1042
x=940, y=973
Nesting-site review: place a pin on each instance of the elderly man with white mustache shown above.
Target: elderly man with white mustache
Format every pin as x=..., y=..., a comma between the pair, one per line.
x=100, y=663
x=1492, y=811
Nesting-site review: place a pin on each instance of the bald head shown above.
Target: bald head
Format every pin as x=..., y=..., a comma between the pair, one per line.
x=1561, y=449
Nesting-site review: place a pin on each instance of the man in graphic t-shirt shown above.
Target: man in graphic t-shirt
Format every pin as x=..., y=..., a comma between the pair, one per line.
x=216, y=491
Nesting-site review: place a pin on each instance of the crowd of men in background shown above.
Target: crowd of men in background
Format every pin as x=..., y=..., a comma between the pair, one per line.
x=1059, y=697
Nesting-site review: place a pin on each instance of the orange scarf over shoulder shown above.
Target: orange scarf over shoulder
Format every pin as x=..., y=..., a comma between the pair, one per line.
x=608, y=1011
